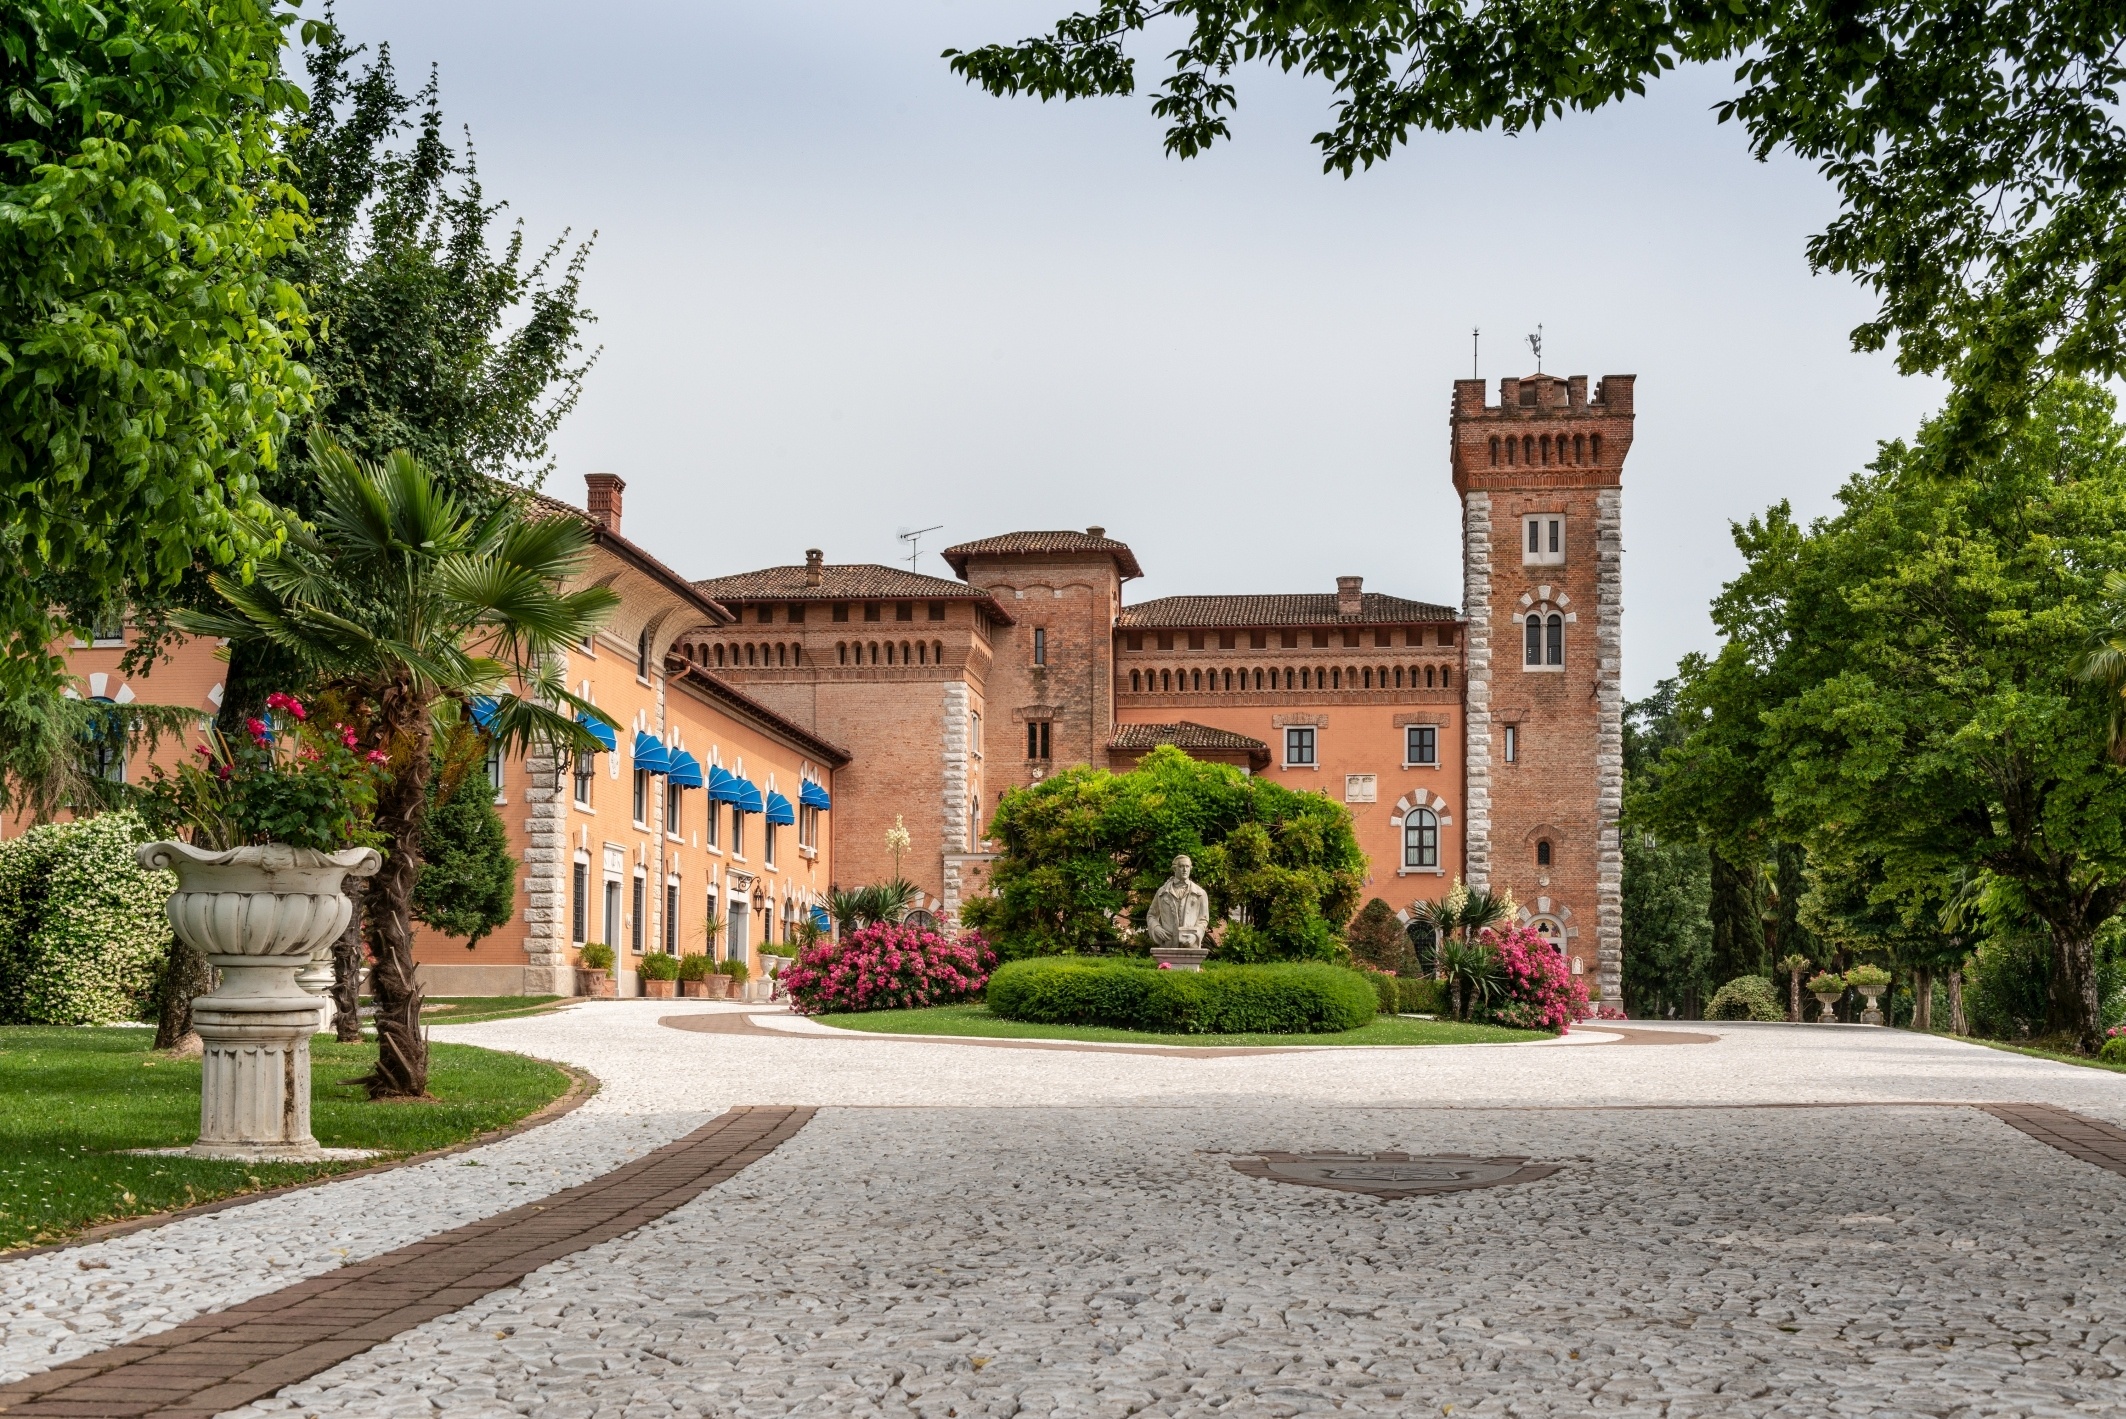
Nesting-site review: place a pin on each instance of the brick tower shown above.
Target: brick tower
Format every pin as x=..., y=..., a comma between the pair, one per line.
x=1540, y=475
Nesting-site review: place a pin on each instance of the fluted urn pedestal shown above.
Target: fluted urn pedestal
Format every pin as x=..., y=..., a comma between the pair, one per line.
x=258, y=914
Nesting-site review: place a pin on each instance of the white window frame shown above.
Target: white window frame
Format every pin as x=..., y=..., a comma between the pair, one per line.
x=1410, y=734
x=640, y=802
x=1312, y=740
x=1547, y=531
x=1546, y=613
x=496, y=769
x=1415, y=821
x=1511, y=750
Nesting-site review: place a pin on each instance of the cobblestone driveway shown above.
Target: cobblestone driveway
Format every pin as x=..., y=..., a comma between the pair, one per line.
x=968, y=1232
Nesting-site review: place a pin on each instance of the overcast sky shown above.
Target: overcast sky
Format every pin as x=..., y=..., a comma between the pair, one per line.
x=842, y=295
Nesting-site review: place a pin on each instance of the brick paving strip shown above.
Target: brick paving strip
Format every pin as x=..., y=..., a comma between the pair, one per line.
x=2091, y=1140
x=218, y=1362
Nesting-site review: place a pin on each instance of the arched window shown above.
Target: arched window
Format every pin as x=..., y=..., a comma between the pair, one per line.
x=1554, y=650
x=841, y=651
x=1509, y=452
x=874, y=652
x=1542, y=852
x=1306, y=678
x=719, y=657
x=1579, y=448
x=1548, y=928
x=1228, y=680
x=904, y=653
x=1258, y=677
x=642, y=655
x=1494, y=452
x=1594, y=449
x=1336, y=679
x=1367, y=683
x=1398, y=677
x=1134, y=686
x=782, y=653
x=937, y=652
x=1197, y=676
x=1527, y=448
x=1421, y=838
x=1428, y=677
x=750, y=652
x=1544, y=444
x=797, y=654
x=922, y=652
x=1534, y=652
x=1166, y=680
x=1445, y=682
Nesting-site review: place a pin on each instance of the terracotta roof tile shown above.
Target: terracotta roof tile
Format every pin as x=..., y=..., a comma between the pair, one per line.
x=1296, y=609
x=1022, y=544
x=1183, y=735
x=859, y=581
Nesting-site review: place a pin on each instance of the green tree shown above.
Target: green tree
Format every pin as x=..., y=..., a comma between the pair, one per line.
x=1084, y=851
x=1976, y=148
x=1897, y=685
x=147, y=369
x=1668, y=932
x=1377, y=938
x=468, y=881
x=396, y=602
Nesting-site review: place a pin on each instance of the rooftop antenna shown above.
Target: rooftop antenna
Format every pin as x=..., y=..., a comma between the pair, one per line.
x=914, y=541
x=1535, y=343
x=1474, y=371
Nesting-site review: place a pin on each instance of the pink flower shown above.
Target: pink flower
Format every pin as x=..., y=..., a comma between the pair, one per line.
x=377, y=756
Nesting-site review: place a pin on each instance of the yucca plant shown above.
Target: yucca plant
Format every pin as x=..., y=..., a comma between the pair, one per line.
x=408, y=606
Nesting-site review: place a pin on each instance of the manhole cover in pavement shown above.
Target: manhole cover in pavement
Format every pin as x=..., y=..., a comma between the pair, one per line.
x=1392, y=1174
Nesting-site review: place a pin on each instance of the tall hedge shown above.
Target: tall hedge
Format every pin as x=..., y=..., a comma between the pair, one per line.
x=1287, y=999
x=83, y=933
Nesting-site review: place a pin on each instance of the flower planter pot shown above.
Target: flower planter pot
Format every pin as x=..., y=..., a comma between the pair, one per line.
x=596, y=984
x=1829, y=1003
x=695, y=989
x=658, y=989
x=259, y=915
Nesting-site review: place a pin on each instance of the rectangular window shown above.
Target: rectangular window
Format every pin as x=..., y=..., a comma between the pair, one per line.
x=711, y=821
x=640, y=902
x=796, y=615
x=671, y=811
x=937, y=610
x=871, y=610
x=612, y=911
x=108, y=630
x=642, y=656
x=807, y=826
x=1037, y=743
x=974, y=731
x=1299, y=746
x=841, y=610
x=904, y=610
x=1543, y=542
x=1040, y=646
x=738, y=833
x=1554, y=635
x=767, y=844
x=1421, y=744
x=494, y=769
x=580, y=885
x=671, y=918
x=585, y=764
x=1513, y=744
x=642, y=798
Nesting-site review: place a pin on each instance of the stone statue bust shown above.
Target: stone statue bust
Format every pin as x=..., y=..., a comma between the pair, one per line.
x=1180, y=915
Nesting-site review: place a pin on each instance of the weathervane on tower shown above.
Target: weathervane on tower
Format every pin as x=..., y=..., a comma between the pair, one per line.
x=1535, y=343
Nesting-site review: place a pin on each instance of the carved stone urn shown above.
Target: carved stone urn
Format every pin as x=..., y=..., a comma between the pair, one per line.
x=259, y=915
x=1828, y=999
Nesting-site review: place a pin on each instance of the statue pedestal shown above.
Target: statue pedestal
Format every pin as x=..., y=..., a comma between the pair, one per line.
x=1181, y=958
x=255, y=1073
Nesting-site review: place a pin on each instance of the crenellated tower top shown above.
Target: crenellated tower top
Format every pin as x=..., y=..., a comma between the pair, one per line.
x=1545, y=432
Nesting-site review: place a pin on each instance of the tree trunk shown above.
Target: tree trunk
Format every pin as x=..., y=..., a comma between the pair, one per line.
x=184, y=976
x=347, y=968
x=1923, y=999
x=1793, y=997
x=2073, y=1008
x=401, y=808
x=1957, y=1024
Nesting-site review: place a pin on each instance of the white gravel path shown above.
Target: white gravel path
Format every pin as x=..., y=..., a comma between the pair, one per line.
x=1029, y=1184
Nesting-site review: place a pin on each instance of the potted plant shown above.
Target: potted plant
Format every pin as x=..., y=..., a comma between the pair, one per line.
x=659, y=972
x=736, y=973
x=695, y=974
x=1870, y=981
x=594, y=977
x=1829, y=989
x=276, y=823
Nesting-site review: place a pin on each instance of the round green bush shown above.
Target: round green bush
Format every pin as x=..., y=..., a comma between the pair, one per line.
x=2113, y=1050
x=597, y=957
x=83, y=934
x=1747, y=998
x=658, y=966
x=1129, y=994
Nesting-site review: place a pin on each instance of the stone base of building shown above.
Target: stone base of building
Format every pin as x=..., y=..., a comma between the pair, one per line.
x=489, y=980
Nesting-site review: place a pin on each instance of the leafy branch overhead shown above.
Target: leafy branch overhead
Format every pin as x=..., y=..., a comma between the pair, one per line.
x=1976, y=147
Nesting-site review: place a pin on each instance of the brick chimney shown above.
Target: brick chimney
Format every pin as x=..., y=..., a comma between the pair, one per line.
x=813, y=572
x=1095, y=532
x=602, y=498
x=1349, y=601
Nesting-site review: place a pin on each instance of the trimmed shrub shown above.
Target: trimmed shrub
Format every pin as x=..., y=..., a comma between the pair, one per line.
x=1421, y=995
x=1291, y=999
x=597, y=957
x=2113, y=1050
x=1747, y=998
x=83, y=934
x=658, y=966
x=736, y=970
x=1383, y=986
x=696, y=967
x=887, y=967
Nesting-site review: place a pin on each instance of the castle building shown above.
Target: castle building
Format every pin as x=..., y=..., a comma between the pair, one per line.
x=1482, y=742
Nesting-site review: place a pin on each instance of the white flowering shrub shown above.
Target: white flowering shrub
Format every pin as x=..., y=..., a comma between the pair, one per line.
x=83, y=935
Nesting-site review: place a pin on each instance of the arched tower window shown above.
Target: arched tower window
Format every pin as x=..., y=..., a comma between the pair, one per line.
x=1594, y=449
x=1542, y=853
x=1494, y=451
x=1534, y=647
x=1554, y=639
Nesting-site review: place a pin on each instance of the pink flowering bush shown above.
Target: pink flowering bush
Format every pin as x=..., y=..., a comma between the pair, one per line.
x=1537, y=990
x=888, y=967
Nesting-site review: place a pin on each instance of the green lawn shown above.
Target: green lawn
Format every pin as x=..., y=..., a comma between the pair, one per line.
x=2056, y=1056
x=71, y=1098
x=465, y=1009
x=976, y=1020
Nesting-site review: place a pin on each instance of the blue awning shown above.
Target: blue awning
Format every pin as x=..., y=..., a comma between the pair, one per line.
x=780, y=811
x=600, y=731
x=651, y=754
x=821, y=920
x=749, y=799
x=813, y=796
x=686, y=770
x=723, y=785
x=484, y=709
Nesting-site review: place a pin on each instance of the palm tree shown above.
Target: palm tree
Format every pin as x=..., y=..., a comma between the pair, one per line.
x=2104, y=658
x=407, y=606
